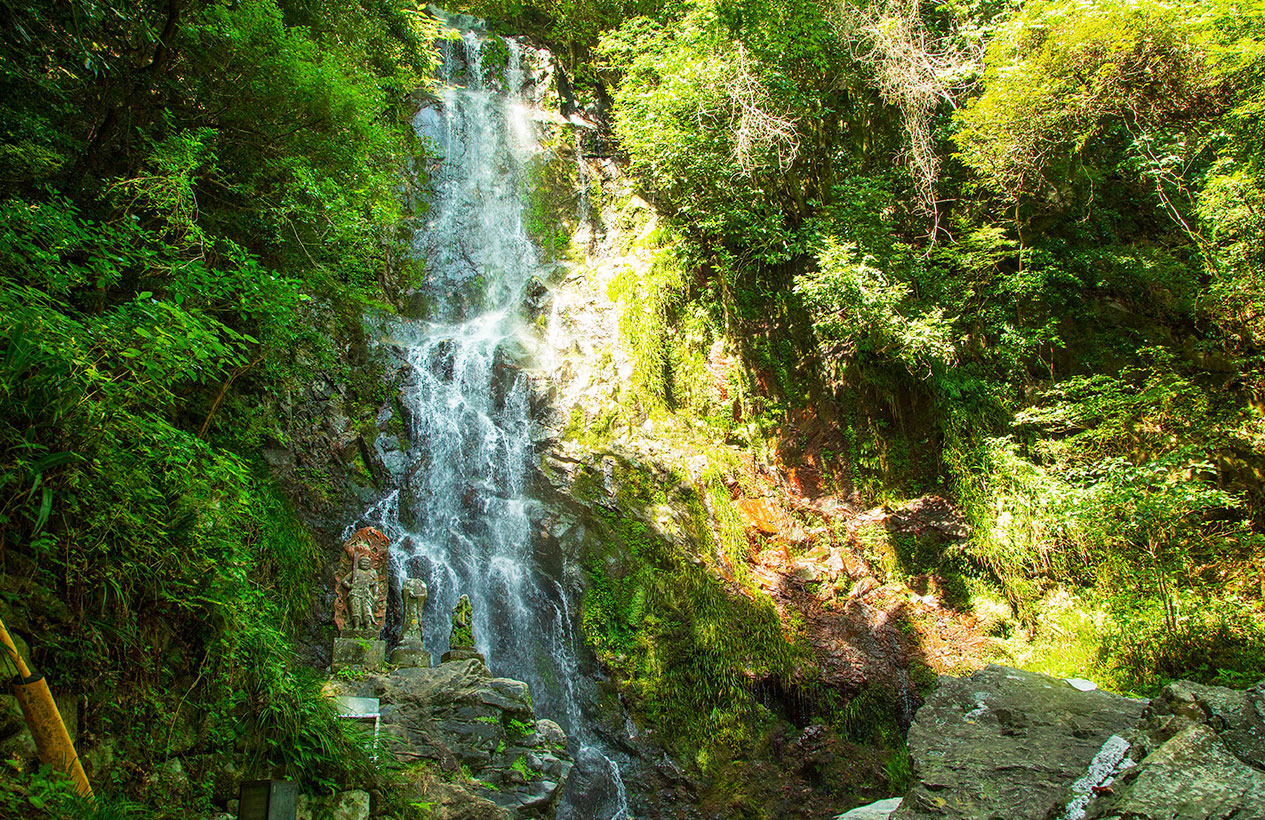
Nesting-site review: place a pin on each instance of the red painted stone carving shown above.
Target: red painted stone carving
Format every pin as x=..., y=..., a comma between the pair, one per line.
x=362, y=581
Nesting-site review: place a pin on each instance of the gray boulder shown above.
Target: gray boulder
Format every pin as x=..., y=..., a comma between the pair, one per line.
x=1238, y=717
x=1003, y=743
x=1009, y=745
x=1199, y=754
x=1193, y=776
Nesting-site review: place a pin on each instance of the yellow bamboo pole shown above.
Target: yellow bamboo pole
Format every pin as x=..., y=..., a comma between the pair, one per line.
x=52, y=741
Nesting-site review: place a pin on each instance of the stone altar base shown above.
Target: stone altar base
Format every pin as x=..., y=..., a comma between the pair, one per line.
x=358, y=648
x=463, y=653
x=410, y=653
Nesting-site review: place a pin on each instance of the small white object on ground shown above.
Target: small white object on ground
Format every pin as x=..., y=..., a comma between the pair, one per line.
x=881, y=810
x=1081, y=684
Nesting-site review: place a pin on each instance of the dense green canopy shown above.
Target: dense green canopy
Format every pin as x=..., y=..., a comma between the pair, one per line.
x=1014, y=251
x=1041, y=220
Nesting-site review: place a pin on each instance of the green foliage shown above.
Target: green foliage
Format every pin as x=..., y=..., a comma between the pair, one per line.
x=689, y=645
x=867, y=716
x=290, y=730
x=1194, y=634
x=552, y=205
x=856, y=307
x=520, y=765
x=184, y=189
x=49, y=795
x=1059, y=76
x=1115, y=493
x=712, y=110
x=667, y=335
x=1078, y=335
x=899, y=770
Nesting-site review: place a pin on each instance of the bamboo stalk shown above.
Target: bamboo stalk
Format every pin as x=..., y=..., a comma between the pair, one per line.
x=52, y=741
x=23, y=671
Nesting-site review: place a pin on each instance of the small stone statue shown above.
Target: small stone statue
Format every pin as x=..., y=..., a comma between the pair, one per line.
x=461, y=644
x=410, y=651
x=414, y=594
x=362, y=594
x=462, y=625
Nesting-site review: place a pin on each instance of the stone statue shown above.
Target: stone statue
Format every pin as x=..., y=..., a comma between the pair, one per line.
x=414, y=594
x=461, y=644
x=410, y=651
x=362, y=594
x=360, y=603
x=462, y=625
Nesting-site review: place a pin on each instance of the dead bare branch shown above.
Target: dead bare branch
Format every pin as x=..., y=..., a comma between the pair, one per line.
x=916, y=72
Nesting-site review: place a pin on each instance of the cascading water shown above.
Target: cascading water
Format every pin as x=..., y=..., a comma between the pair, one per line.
x=457, y=513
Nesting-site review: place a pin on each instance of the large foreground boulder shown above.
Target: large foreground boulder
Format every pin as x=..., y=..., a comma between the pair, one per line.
x=1007, y=744
x=1003, y=744
x=1199, y=754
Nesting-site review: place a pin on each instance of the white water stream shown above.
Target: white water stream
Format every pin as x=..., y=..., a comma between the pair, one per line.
x=457, y=513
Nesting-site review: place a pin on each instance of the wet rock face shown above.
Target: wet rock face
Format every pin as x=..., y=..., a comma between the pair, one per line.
x=1007, y=744
x=478, y=730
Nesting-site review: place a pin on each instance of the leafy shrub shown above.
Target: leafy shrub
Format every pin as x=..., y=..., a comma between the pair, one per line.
x=48, y=795
x=857, y=307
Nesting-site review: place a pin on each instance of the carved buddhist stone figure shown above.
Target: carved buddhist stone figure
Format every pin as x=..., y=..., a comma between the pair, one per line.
x=414, y=594
x=362, y=594
x=462, y=625
x=360, y=601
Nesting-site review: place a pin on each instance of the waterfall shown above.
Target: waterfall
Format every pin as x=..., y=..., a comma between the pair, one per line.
x=457, y=512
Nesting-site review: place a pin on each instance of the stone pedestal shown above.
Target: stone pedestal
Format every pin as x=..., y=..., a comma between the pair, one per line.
x=463, y=653
x=358, y=648
x=410, y=653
